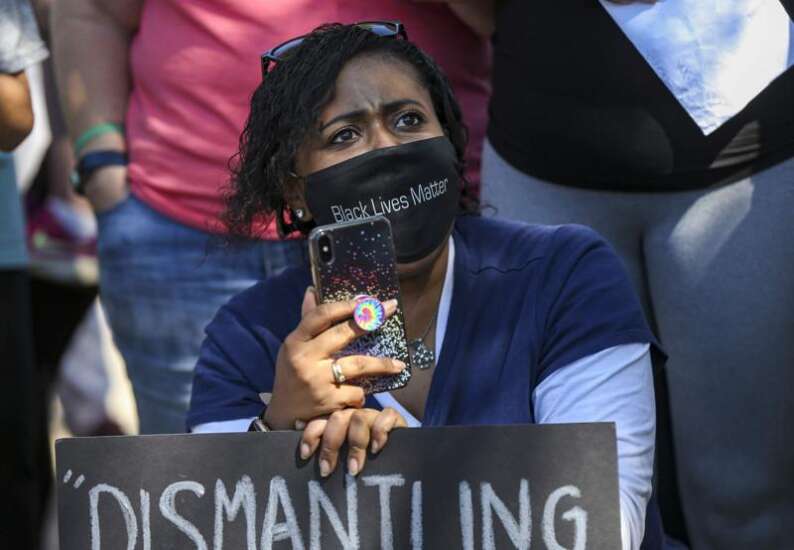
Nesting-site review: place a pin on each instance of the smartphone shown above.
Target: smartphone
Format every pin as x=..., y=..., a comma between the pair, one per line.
x=352, y=258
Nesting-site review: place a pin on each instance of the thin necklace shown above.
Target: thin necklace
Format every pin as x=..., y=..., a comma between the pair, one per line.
x=422, y=357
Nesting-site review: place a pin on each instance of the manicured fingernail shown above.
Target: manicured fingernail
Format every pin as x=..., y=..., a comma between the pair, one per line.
x=390, y=306
x=305, y=451
x=375, y=447
x=325, y=468
x=352, y=466
x=398, y=364
x=300, y=425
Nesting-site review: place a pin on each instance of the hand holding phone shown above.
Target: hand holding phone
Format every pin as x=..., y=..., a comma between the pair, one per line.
x=304, y=387
x=348, y=260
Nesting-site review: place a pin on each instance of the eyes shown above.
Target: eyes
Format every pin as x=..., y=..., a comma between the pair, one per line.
x=343, y=136
x=406, y=121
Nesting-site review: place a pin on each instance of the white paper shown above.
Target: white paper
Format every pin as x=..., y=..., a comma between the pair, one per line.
x=715, y=56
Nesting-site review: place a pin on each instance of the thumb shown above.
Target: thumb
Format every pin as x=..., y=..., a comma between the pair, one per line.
x=309, y=301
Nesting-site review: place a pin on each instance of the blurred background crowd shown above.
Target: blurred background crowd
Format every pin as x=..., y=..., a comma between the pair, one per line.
x=567, y=123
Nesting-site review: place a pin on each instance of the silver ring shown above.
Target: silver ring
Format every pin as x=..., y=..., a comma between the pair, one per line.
x=336, y=370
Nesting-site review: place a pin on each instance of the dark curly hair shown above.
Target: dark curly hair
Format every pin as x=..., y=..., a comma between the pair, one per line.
x=285, y=107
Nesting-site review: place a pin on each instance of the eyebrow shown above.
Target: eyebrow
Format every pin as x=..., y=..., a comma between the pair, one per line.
x=387, y=107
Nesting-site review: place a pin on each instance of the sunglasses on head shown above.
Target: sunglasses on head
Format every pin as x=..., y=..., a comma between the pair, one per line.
x=381, y=28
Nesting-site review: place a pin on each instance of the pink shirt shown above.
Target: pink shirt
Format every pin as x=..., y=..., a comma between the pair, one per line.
x=195, y=64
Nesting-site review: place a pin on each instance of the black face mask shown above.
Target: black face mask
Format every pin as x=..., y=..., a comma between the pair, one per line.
x=416, y=186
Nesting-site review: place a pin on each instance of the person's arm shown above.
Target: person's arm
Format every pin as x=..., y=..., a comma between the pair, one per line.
x=595, y=363
x=16, y=111
x=91, y=40
x=242, y=360
x=614, y=385
x=478, y=15
x=20, y=47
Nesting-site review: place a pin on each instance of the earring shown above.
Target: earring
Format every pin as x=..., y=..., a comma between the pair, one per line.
x=299, y=213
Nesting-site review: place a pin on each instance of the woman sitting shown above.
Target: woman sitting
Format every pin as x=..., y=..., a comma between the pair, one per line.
x=524, y=323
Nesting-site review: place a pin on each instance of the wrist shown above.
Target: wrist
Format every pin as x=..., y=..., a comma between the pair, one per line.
x=275, y=421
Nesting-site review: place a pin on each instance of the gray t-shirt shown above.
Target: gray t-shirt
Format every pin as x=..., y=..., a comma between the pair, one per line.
x=20, y=47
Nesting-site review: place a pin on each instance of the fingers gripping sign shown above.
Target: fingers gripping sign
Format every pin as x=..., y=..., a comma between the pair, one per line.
x=304, y=386
x=361, y=429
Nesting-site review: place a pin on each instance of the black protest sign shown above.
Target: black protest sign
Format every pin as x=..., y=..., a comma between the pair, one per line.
x=533, y=486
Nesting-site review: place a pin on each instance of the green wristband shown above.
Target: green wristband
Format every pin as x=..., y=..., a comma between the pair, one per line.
x=95, y=131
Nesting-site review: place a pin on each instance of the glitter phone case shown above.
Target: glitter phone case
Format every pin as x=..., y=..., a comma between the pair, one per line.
x=362, y=261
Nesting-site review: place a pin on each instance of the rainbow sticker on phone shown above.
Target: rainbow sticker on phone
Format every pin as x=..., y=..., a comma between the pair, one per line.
x=369, y=313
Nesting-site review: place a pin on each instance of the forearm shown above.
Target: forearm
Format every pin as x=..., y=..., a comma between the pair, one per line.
x=91, y=41
x=16, y=113
x=477, y=14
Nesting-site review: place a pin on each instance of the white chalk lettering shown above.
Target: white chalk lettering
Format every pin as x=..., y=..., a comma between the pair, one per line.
x=384, y=485
x=466, y=515
x=319, y=499
x=520, y=532
x=289, y=529
x=126, y=510
x=245, y=498
x=168, y=510
x=575, y=514
x=332, y=522
x=416, y=516
x=146, y=530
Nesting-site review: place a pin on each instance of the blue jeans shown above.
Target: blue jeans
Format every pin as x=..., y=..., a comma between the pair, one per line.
x=161, y=282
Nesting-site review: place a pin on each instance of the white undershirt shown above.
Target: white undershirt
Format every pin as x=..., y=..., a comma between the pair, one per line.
x=613, y=385
x=386, y=399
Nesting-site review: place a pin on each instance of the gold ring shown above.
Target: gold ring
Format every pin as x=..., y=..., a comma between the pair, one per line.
x=336, y=370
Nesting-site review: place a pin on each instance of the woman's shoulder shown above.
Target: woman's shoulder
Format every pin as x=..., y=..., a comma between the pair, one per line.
x=578, y=297
x=509, y=245
x=272, y=304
